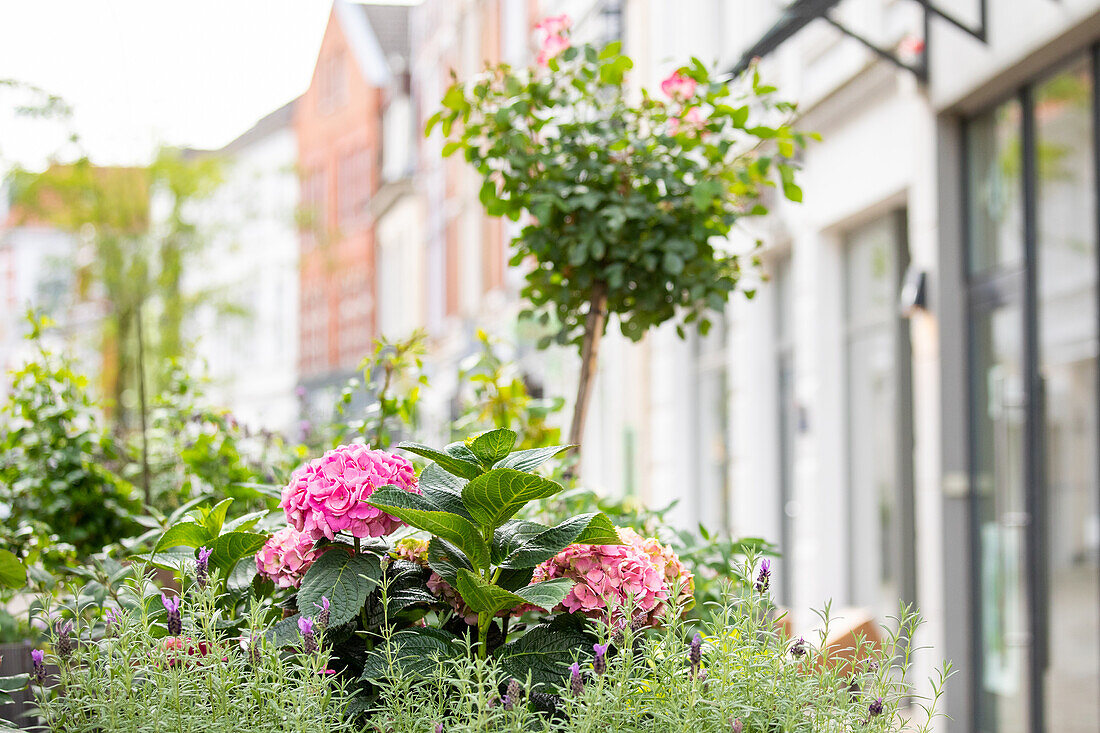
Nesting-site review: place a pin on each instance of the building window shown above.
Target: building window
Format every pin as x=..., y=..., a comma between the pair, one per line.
x=311, y=214
x=331, y=82
x=1035, y=405
x=353, y=186
x=879, y=426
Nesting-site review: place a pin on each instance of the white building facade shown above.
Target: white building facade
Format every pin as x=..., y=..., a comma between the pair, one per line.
x=246, y=331
x=909, y=407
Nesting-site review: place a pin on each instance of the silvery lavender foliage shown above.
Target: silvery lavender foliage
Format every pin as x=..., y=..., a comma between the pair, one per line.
x=576, y=684
x=202, y=567
x=175, y=620
x=764, y=577
x=38, y=675
x=65, y=643
x=309, y=639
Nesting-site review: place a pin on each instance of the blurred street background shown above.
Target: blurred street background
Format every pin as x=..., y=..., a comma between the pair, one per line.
x=237, y=198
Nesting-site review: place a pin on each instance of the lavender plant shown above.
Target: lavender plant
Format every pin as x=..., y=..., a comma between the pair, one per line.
x=134, y=674
x=737, y=672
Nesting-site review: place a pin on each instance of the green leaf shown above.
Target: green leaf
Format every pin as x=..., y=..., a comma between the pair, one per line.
x=413, y=652
x=247, y=522
x=455, y=99
x=450, y=148
x=494, y=497
x=526, y=460
x=12, y=572
x=593, y=528
x=672, y=263
x=484, y=597
x=186, y=533
x=457, y=466
x=346, y=579
x=546, y=594
x=545, y=652
x=433, y=478
x=285, y=632
x=491, y=446
x=215, y=518
x=420, y=513
x=230, y=547
x=445, y=559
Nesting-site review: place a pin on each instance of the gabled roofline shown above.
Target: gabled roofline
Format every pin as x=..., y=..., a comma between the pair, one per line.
x=364, y=44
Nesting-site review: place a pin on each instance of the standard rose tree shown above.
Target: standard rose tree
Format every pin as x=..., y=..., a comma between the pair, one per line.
x=627, y=198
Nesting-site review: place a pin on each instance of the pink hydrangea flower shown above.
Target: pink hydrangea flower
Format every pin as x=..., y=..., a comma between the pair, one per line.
x=666, y=561
x=555, y=25
x=608, y=579
x=329, y=494
x=286, y=556
x=551, y=47
x=679, y=86
x=693, y=119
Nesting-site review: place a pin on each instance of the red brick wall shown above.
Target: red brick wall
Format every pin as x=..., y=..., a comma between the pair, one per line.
x=337, y=259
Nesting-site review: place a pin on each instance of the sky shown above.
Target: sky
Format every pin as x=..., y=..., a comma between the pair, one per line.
x=139, y=73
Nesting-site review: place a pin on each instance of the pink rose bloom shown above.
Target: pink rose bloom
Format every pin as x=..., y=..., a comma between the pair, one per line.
x=286, y=556
x=679, y=86
x=329, y=494
x=693, y=119
x=608, y=579
x=551, y=47
x=555, y=25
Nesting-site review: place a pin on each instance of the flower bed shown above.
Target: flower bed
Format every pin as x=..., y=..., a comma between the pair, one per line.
x=421, y=603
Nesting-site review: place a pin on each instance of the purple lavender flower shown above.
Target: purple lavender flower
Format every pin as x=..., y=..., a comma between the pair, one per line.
x=576, y=684
x=323, y=616
x=737, y=726
x=514, y=694
x=599, y=663
x=175, y=621
x=438, y=728
x=65, y=644
x=202, y=567
x=875, y=708
x=39, y=658
x=798, y=649
x=111, y=617
x=764, y=578
x=309, y=640
x=695, y=653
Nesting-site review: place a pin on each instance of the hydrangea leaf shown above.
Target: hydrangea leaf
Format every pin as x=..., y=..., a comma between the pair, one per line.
x=215, y=518
x=491, y=446
x=526, y=460
x=593, y=528
x=547, y=594
x=346, y=579
x=484, y=597
x=458, y=466
x=494, y=497
x=229, y=548
x=412, y=652
x=185, y=533
x=445, y=559
x=434, y=479
x=421, y=513
x=545, y=652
